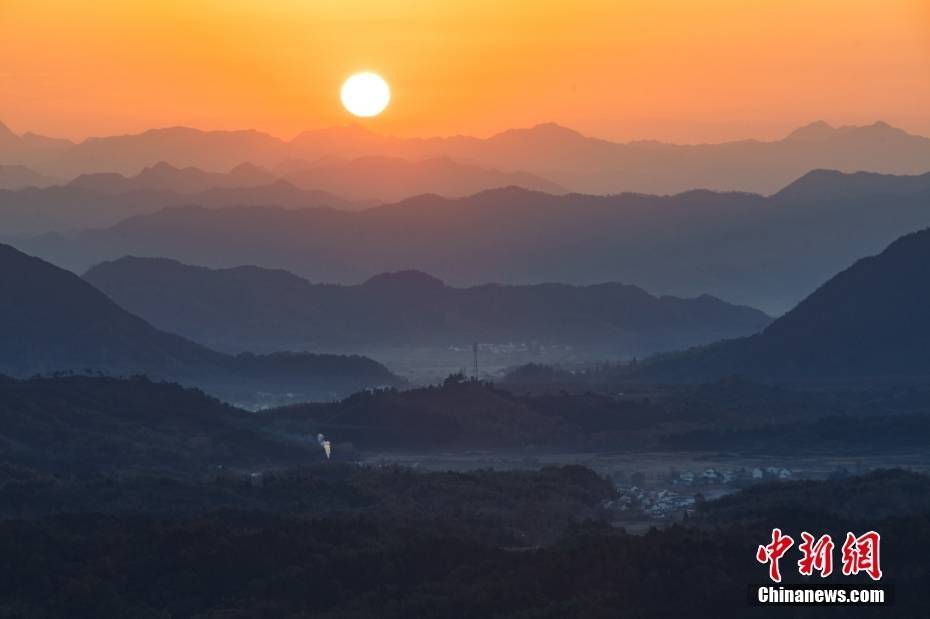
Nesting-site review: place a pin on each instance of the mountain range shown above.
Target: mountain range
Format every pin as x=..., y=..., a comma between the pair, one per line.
x=19, y=177
x=766, y=252
x=393, y=178
x=73, y=207
x=53, y=321
x=165, y=177
x=868, y=321
x=250, y=308
x=34, y=204
x=29, y=148
x=559, y=155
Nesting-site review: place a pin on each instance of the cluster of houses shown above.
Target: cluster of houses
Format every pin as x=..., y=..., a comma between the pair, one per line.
x=668, y=498
x=712, y=476
x=658, y=504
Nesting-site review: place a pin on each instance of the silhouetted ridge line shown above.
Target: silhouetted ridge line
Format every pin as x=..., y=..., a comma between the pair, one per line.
x=53, y=321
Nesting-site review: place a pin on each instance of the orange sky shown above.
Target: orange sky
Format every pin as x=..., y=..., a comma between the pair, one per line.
x=678, y=70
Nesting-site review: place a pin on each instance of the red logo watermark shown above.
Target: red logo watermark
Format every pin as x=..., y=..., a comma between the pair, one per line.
x=859, y=554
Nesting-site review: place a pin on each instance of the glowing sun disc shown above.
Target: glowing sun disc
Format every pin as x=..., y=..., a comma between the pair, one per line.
x=365, y=94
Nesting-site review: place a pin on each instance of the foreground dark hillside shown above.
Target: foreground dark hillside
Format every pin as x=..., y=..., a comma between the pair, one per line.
x=403, y=562
x=503, y=507
x=881, y=494
x=113, y=503
x=263, y=309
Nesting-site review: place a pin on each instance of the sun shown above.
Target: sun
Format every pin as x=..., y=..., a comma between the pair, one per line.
x=365, y=94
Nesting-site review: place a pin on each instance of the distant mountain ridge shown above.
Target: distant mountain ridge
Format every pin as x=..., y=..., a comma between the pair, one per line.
x=52, y=321
x=559, y=155
x=15, y=177
x=393, y=178
x=102, y=200
x=166, y=177
x=261, y=309
x=868, y=321
x=766, y=252
x=363, y=181
x=29, y=149
x=819, y=185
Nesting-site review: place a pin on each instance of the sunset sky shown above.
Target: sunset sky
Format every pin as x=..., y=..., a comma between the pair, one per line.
x=676, y=70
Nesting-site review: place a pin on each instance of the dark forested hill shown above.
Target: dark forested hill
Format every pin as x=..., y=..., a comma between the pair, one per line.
x=733, y=415
x=51, y=320
x=262, y=309
x=868, y=321
x=81, y=423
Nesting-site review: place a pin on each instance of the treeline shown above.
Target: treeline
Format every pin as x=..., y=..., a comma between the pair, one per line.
x=257, y=563
x=87, y=424
x=98, y=424
x=514, y=507
x=731, y=414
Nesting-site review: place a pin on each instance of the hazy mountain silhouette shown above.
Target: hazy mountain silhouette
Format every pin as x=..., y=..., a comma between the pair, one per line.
x=73, y=207
x=180, y=146
x=280, y=193
x=870, y=320
x=392, y=178
x=261, y=309
x=747, y=249
x=831, y=185
x=51, y=320
x=370, y=179
x=165, y=177
x=598, y=166
x=555, y=153
x=29, y=148
x=19, y=177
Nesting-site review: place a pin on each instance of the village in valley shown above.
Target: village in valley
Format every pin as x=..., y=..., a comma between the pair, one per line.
x=674, y=495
